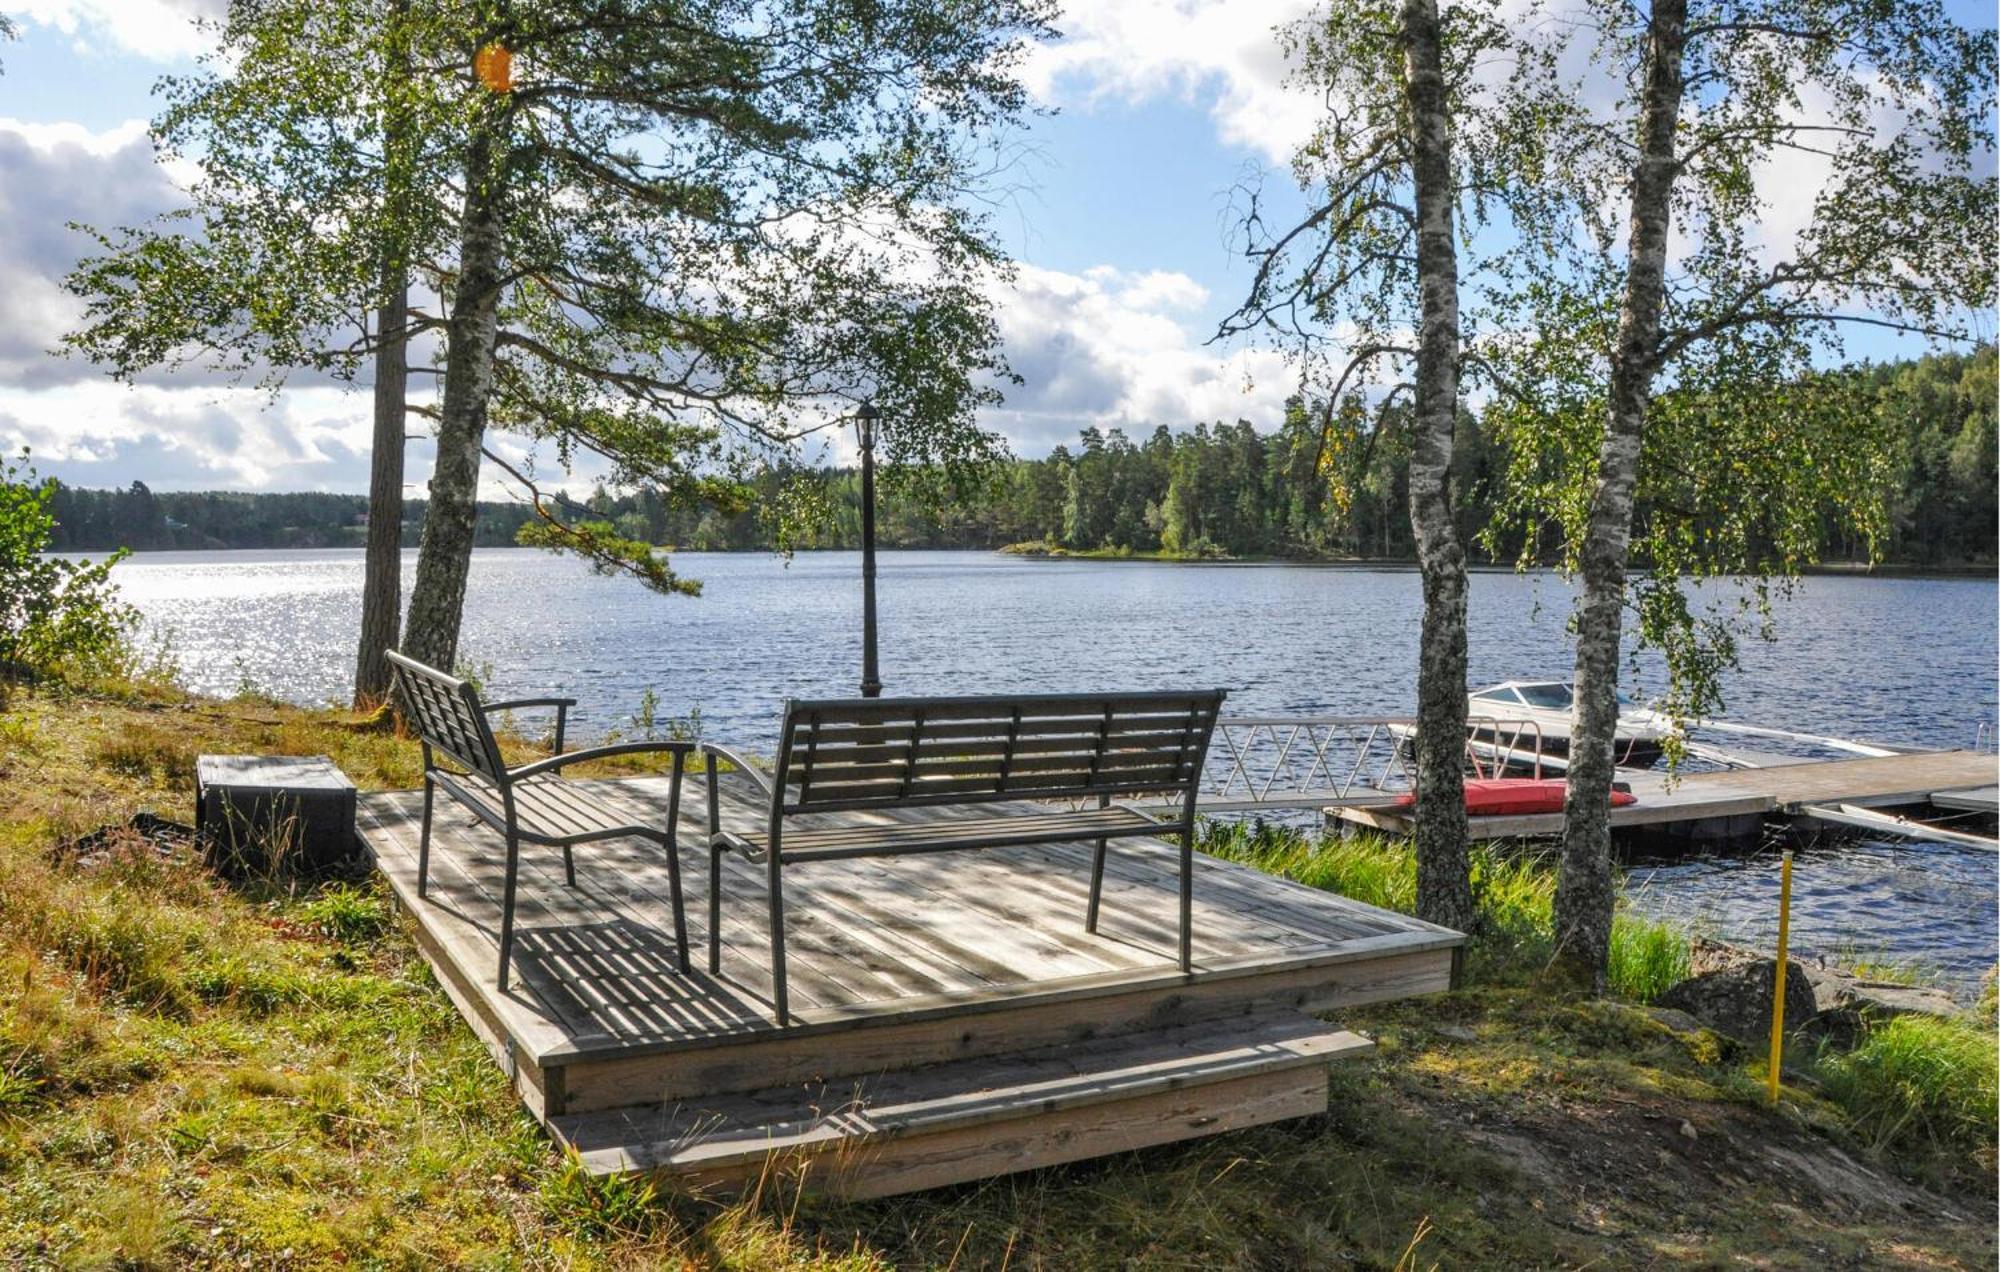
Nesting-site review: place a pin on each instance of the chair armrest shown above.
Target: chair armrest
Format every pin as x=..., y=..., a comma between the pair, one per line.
x=562, y=706
x=597, y=753
x=527, y=702
x=737, y=760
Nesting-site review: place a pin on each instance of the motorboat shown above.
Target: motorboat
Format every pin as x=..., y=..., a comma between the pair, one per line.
x=1520, y=720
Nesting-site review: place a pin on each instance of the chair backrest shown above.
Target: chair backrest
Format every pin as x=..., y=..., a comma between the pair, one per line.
x=872, y=753
x=445, y=712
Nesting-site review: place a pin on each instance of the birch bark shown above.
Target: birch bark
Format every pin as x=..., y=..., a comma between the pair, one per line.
x=1585, y=898
x=1444, y=887
x=437, y=598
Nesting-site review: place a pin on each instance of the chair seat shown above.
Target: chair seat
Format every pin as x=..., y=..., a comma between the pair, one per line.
x=942, y=834
x=549, y=809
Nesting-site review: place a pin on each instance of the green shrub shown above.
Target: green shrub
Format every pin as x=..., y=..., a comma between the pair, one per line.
x=57, y=617
x=1919, y=1082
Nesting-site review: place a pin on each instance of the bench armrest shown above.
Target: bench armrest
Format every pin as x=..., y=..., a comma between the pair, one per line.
x=597, y=753
x=739, y=761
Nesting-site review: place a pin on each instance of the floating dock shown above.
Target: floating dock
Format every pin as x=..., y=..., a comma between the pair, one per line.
x=1734, y=802
x=952, y=1020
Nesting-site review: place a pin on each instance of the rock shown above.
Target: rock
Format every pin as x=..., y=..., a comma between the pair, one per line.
x=1457, y=1033
x=1676, y=1020
x=1687, y=1129
x=1881, y=998
x=1737, y=1000
x=1706, y=954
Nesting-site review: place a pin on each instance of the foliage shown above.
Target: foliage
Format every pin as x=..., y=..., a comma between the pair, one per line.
x=717, y=224
x=57, y=616
x=1753, y=458
x=1921, y=1083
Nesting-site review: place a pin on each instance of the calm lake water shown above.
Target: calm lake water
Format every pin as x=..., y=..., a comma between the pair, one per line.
x=1890, y=660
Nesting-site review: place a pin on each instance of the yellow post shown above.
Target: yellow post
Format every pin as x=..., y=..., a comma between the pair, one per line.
x=1778, y=984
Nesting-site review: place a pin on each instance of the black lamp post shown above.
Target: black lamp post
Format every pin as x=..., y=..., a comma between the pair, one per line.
x=865, y=420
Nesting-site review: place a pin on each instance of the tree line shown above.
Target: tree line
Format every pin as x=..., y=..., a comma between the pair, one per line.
x=1216, y=490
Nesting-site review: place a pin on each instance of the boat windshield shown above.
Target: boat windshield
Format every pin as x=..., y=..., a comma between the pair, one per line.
x=1547, y=695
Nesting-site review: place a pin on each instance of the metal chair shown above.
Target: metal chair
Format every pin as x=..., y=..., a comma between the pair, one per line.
x=529, y=803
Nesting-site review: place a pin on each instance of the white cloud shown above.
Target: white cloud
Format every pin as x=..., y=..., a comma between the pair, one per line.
x=158, y=30
x=1135, y=50
x=1114, y=348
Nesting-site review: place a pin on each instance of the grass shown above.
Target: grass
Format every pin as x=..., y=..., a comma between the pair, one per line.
x=1514, y=889
x=265, y=1074
x=1920, y=1083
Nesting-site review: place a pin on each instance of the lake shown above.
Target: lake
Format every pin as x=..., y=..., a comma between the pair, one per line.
x=1908, y=661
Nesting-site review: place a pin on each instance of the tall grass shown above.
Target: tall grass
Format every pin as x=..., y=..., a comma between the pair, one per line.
x=1919, y=1082
x=1514, y=889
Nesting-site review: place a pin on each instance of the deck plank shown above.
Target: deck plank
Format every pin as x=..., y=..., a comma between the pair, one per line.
x=866, y=938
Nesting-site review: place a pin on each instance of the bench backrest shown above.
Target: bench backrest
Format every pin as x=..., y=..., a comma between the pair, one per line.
x=876, y=753
x=445, y=712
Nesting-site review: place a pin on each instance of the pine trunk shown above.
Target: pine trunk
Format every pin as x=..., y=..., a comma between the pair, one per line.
x=437, y=599
x=1444, y=885
x=382, y=571
x=382, y=577
x=1585, y=897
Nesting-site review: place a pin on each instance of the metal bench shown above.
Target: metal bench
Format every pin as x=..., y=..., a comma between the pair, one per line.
x=892, y=754
x=530, y=802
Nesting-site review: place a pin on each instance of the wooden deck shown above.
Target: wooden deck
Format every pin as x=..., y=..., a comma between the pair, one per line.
x=1736, y=795
x=896, y=965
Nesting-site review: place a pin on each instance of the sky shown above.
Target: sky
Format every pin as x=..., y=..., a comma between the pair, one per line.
x=1119, y=224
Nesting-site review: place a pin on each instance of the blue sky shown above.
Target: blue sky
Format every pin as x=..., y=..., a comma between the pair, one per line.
x=1120, y=225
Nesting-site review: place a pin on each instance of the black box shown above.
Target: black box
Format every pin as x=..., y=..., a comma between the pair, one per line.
x=263, y=814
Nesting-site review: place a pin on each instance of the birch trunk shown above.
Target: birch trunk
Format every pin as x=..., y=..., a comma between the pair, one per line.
x=1444, y=885
x=1584, y=894
x=382, y=577
x=437, y=599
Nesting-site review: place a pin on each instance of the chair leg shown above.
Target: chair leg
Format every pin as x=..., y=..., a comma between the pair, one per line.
x=424, y=839
x=714, y=909
x=778, y=941
x=507, y=907
x=1096, y=888
x=674, y=888
x=569, y=865
x=1187, y=899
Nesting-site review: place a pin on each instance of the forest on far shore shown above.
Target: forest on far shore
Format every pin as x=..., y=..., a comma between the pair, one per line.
x=1216, y=490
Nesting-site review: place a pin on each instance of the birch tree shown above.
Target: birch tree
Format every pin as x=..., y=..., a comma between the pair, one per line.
x=1768, y=174
x=1365, y=290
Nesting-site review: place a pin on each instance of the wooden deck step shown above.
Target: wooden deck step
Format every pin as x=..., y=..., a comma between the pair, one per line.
x=969, y=1119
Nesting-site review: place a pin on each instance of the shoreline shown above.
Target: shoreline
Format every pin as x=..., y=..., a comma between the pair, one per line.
x=1397, y=564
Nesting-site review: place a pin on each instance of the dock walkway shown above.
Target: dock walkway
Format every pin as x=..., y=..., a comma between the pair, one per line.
x=1737, y=795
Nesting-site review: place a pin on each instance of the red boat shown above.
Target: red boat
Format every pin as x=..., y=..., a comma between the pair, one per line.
x=1497, y=796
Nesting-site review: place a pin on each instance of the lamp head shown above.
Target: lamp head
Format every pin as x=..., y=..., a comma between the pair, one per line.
x=865, y=420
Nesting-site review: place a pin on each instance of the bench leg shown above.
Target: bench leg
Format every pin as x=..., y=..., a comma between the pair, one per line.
x=1187, y=899
x=1096, y=888
x=714, y=909
x=569, y=866
x=674, y=889
x=424, y=838
x=778, y=941
x=507, y=907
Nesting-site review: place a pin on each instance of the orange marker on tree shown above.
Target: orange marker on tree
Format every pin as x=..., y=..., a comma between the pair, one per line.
x=494, y=65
